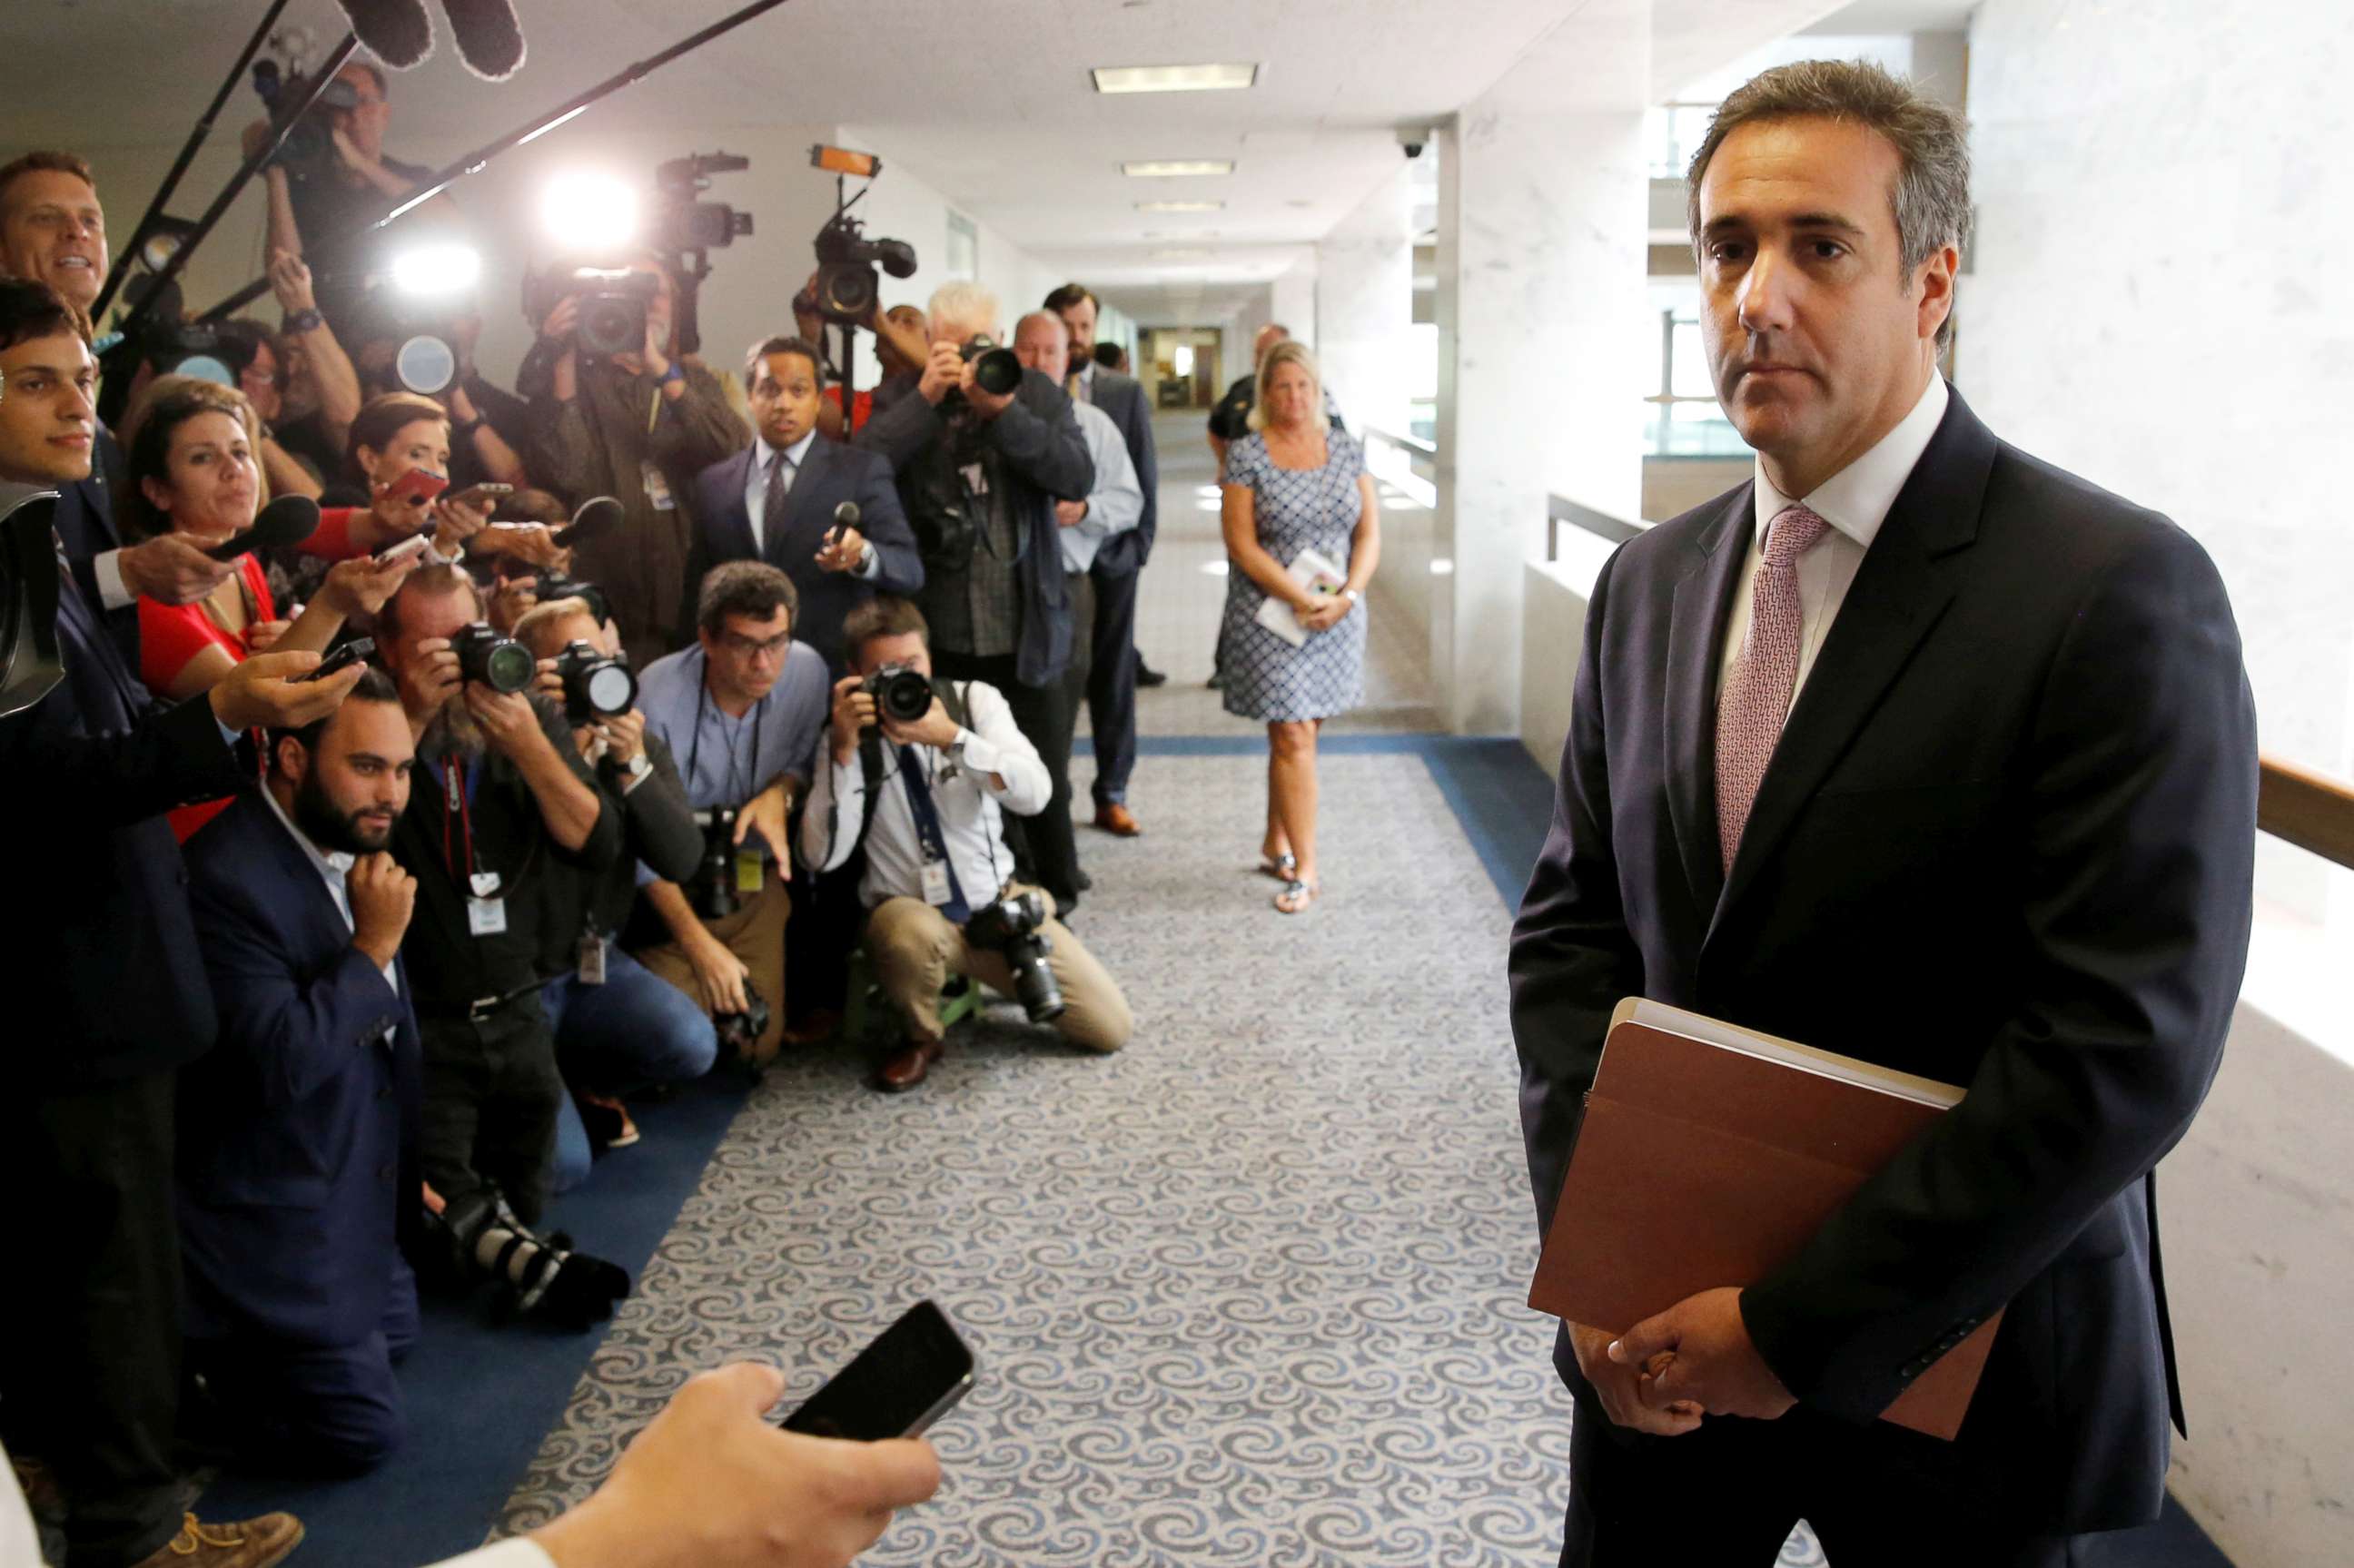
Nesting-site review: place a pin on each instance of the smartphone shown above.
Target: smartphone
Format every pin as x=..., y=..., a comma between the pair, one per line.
x=484, y=495
x=912, y=1374
x=417, y=487
x=351, y=652
x=401, y=549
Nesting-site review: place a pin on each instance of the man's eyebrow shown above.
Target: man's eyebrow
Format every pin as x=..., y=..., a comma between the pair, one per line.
x=1826, y=220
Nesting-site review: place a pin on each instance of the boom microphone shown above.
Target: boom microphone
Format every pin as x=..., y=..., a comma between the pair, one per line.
x=289, y=520
x=597, y=514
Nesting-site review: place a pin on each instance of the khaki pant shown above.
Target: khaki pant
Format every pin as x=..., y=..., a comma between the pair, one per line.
x=755, y=934
x=915, y=949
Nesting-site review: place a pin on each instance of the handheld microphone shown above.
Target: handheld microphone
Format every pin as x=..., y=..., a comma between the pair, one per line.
x=846, y=515
x=289, y=520
x=597, y=514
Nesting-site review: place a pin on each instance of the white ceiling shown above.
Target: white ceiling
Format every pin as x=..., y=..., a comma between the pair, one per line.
x=992, y=105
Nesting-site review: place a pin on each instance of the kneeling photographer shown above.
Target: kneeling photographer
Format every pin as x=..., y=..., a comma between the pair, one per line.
x=618, y=1028
x=922, y=771
x=742, y=709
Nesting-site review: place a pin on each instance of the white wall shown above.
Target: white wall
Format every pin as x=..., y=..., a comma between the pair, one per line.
x=1364, y=306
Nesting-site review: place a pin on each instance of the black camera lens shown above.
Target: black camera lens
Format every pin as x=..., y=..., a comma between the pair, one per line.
x=612, y=324
x=712, y=894
x=901, y=695
x=488, y=658
x=1011, y=928
x=594, y=686
x=846, y=291
x=994, y=370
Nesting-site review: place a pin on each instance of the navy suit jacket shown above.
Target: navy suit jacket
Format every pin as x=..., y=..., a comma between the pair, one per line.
x=2006, y=841
x=294, y=1130
x=831, y=474
x=99, y=954
x=1122, y=397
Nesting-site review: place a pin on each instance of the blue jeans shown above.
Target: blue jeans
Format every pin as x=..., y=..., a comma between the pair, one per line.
x=636, y=1029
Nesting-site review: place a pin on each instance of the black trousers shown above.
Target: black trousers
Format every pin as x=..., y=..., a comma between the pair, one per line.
x=492, y=1097
x=1045, y=851
x=90, y=1331
x=1728, y=1495
x=1111, y=686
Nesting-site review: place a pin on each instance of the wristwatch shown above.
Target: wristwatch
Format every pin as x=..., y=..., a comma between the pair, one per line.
x=675, y=373
x=302, y=321
x=1350, y=594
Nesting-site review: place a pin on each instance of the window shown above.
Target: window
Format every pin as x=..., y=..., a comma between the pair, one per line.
x=1685, y=420
x=963, y=257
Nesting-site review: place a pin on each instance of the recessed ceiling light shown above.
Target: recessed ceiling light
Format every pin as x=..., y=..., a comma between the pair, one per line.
x=1180, y=207
x=1177, y=168
x=1173, y=77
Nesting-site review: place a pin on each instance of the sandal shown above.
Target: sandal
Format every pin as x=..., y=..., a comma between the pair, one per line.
x=1296, y=896
x=1279, y=866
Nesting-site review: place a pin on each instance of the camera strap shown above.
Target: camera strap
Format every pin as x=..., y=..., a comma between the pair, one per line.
x=694, y=747
x=870, y=765
x=486, y=912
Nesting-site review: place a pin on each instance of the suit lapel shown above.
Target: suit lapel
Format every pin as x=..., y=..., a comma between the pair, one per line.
x=1900, y=591
x=1703, y=600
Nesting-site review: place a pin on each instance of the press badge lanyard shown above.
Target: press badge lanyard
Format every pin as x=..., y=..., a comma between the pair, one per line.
x=694, y=747
x=486, y=912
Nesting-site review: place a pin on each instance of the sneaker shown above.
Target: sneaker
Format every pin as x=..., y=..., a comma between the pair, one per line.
x=253, y=1544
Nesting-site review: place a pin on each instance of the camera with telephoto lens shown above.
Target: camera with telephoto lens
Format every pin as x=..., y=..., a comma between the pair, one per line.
x=597, y=684
x=994, y=370
x=712, y=892
x=741, y=1031
x=1012, y=927
x=847, y=283
x=902, y=693
x=549, y=587
x=613, y=302
x=488, y=658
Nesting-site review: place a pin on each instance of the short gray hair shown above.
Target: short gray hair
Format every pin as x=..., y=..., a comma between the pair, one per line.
x=1932, y=198
x=965, y=303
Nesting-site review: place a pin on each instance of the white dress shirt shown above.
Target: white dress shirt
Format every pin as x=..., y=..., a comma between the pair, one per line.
x=756, y=482
x=1855, y=502
x=971, y=809
x=335, y=868
x=518, y=1552
x=1117, y=502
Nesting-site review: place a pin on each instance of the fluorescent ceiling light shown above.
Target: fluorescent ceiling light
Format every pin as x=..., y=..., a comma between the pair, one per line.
x=1177, y=168
x=1180, y=254
x=1173, y=77
x=1180, y=207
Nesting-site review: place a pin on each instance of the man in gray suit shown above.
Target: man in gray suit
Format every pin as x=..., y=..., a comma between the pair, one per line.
x=1111, y=679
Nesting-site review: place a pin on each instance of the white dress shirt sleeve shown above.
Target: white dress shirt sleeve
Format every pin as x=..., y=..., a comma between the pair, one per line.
x=837, y=802
x=1117, y=502
x=112, y=591
x=995, y=745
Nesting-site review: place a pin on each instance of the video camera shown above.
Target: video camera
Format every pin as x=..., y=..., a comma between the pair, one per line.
x=686, y=223
x=311, y=141
x=847, y=283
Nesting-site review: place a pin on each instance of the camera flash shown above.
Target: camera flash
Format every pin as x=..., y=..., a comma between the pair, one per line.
x=588, y=213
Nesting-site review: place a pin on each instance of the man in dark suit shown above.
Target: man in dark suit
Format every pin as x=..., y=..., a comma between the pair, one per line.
x=978, y=474
x=1112, y=672
x=298, y=1129
x=100, y=962
x=1920, y=750
x=775, y=502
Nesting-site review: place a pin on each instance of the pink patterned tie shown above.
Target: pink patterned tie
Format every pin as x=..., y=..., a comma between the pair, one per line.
x=1757, y=693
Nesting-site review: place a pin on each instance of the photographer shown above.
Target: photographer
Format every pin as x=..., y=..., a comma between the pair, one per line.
x=900, y=348
x=979, y=474
x=637, y=426
x=294, y=1128
x=102, y=968
x=505, y=801
x=302, y=385
x=926, y=797
x=53, y=232
x=618, y=1027
x=776, y=501
x=745, y=708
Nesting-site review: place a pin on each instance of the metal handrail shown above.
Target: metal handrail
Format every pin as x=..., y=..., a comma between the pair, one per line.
x=1560, y=509
x=1410, y=443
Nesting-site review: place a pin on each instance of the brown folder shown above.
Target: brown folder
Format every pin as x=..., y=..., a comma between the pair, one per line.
x=1709, y=1155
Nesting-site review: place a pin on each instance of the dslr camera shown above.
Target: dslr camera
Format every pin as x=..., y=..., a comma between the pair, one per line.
x=488, y=658
x=712, y=892
x=995, y=371
x=613, y=302
x=596, y=685
x=552, y=586
x=741, y=1031
x=902, y=693
x=1011, y=928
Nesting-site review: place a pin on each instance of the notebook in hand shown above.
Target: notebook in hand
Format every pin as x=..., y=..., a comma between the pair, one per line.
x=1708, y=1156
x=1311, y=571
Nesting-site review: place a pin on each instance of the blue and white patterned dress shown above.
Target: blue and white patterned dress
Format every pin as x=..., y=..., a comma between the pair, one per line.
x=1294, y=510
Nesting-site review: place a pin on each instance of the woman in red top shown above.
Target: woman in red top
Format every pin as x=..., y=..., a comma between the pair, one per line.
x=195, y=470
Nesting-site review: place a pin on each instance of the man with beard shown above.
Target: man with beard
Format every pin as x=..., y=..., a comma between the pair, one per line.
x=293, y=1129
x=504, y=800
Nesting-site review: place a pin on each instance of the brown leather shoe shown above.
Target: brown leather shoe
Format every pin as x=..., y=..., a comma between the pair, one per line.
x=1118, y=819
x=254, y=1544
x=908, y=1067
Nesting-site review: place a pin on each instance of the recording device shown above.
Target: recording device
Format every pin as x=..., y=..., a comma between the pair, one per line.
x=1010, y=926
x=173, y=346
x=995, y=371
x=310, y=143
x=686, y=223
x=289, y=520
x=597, y=514
x=911, y=1376
x=29, y=664
x=543, y=1276
x=713, y=890
x=490, y=660
x=401, y=549
x=612, y=309
x=846, y=515
x=741, y=1031
x=597, y=686
x=901, y=694
x=350, y=653
x=419, y=488
x=847, y=283
x=552, y=586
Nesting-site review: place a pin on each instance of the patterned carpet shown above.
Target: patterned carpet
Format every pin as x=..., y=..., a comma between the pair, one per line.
x=1250, y=1292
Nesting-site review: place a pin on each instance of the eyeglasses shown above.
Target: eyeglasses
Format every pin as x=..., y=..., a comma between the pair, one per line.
x=744, y=646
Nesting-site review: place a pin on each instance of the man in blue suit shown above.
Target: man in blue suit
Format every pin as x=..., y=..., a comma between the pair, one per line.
x=297, y=1131
x=776, y=500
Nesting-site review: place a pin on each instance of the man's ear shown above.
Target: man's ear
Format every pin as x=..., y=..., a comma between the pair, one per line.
x=290, y=760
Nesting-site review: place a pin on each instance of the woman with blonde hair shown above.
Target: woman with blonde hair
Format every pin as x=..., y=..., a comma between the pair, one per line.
x=1296, y=490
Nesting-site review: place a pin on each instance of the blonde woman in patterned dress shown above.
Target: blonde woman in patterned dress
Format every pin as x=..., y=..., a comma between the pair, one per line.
x=1294, y=484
